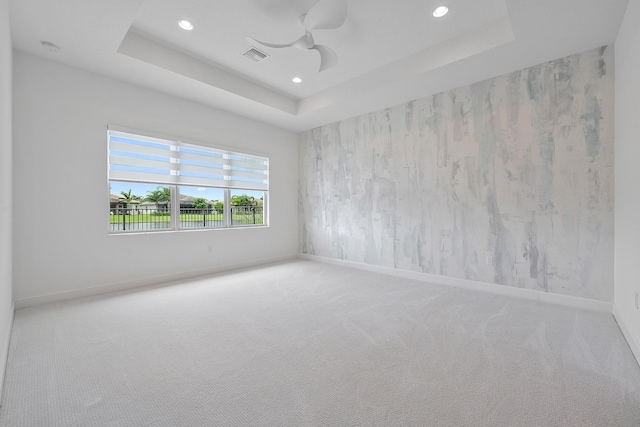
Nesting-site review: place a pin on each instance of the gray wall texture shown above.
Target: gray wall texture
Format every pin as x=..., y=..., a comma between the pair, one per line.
x=506, y=181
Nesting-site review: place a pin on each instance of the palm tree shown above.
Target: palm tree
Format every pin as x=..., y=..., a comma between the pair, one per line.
x=159, y=195
x=128, y=196
x=166, y=191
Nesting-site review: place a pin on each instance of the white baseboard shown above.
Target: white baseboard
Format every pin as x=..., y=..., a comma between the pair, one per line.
x=529, y=294
x=4, y=359
x=633, y=344
x=137, y=283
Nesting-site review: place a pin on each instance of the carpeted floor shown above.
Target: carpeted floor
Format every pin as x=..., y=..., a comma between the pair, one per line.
x=303, y=343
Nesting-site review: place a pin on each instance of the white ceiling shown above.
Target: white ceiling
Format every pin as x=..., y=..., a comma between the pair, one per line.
x=390, y=51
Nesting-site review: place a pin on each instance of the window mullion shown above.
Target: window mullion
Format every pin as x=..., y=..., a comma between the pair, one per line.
x=175, y=207
x=265, y=208
x=227, y=208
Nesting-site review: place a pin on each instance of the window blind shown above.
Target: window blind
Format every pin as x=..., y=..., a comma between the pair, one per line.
x=160, y=161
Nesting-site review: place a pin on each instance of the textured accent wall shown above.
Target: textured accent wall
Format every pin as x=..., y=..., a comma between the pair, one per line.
x=506, y=181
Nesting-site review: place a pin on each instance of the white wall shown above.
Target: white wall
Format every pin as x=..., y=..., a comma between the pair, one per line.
x=61, y=194
x=627, y=174
x=6, y=300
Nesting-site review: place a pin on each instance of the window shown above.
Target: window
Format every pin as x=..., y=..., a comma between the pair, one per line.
x=161, y=184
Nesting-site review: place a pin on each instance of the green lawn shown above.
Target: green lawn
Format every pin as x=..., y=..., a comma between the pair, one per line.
x=238, y=218
x=117, y=219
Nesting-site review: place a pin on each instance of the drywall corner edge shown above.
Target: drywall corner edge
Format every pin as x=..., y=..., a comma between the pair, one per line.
x=633, y=344
x=5, y=359
x=529, y=294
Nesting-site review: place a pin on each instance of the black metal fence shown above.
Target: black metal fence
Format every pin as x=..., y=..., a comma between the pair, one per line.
x=247, y=215
x=139, y=219
x=201, y=218
x=144, y=219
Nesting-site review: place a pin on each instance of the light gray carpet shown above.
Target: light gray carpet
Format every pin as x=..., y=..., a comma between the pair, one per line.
x=304, y=343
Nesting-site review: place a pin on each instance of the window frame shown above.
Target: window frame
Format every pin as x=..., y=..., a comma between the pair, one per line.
x=175, y=187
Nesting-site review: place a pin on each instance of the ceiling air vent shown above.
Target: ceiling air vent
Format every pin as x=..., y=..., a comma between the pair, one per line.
x=255, y=55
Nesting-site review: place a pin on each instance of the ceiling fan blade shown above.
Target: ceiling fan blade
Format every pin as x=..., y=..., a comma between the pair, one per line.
x=274, y=45
x=328, y=58
x=304, y=42
x=326, y=15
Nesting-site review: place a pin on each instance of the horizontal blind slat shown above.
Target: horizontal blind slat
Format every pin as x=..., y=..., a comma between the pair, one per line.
x=251, y=175
x=141, y=163
x=151, y=178
x=203, y=169
x=138, y=150
x=142, y=138
x=246, y=185
x=199, y=158
x=248, y=165
x=197, y=181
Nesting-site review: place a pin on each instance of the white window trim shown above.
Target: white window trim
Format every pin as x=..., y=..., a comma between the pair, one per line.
x=175, y=188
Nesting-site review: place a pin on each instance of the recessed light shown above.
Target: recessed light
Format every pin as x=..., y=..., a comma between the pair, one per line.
x=296, y=80
x=185, y=25
x=440, y=11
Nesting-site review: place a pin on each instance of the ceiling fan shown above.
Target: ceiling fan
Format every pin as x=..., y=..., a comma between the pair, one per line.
x=324, y=15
